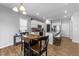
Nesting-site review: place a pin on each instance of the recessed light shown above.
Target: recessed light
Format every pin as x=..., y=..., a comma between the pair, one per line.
x=24, y=13
x=37, y=13
x=65, y=11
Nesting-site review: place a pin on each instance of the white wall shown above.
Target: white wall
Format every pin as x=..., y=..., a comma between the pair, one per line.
x=65, y=30
x=9, y=25
x=71, y=29
x=75, y=23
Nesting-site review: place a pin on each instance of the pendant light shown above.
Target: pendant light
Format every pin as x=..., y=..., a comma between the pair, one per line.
x=20, y=9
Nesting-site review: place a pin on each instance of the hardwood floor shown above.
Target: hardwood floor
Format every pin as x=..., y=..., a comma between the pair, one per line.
x=67, y=48
x=11, y=51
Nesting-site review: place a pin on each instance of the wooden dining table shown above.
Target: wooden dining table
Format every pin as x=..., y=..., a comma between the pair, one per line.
x=29, y=38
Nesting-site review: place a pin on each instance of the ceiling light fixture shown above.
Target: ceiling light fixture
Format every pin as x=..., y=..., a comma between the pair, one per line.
x=24, y=13
x=20, y=9
x=15, y=9
x=65, y=11
x=37, y=13
x=48, y=21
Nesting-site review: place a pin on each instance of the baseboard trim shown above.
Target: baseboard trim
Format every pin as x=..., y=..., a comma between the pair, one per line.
x=6, y=46
x=75, y=41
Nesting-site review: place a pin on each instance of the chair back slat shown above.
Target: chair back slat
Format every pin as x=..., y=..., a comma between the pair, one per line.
x=44, y=40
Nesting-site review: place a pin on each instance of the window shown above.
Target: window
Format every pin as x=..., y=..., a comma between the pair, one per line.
x=23, y=25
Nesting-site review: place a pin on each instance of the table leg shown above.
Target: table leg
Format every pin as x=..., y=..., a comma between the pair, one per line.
x=14, y=40
x=30, y=49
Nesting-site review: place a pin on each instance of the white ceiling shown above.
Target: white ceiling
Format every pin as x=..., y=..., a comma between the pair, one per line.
x=48, y=10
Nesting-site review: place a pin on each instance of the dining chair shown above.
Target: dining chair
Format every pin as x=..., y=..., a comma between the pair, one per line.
x=27, y=47
x=22, y=42
x=39, y=49
x=57, y=39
